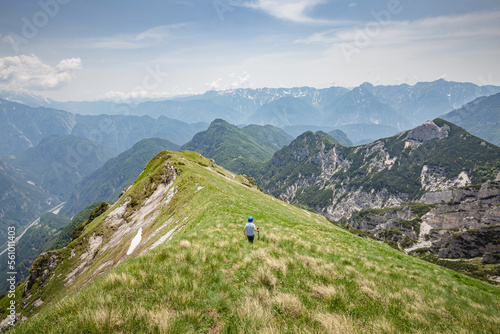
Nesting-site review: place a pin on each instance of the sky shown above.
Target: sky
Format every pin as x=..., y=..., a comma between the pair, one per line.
x=91, y=50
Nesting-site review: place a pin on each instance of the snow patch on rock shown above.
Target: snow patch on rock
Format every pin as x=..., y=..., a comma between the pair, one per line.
x=137, y=239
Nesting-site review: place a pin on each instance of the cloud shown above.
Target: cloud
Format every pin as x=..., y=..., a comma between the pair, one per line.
x=145, y=39
x=115, y=95
x=352, y=4
x=145, y=95
x=231, y=82
x=436, y=33
x=242, y=82
x=30, y=72
x=323, y=37
x=214, y=85
x=289, y=10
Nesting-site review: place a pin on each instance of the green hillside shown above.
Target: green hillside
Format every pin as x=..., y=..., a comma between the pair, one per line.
x=480, y=117
x=21, y=201
x=107, y=182
x=64, y=237
x=303, y=275
x=59, y=162
x=341, y=137
x=239, y=150
x=31, y=245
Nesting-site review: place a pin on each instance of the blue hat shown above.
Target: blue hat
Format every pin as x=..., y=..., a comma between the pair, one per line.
x=250, y=219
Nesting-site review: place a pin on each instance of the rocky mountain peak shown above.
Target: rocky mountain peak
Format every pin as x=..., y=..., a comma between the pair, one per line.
x=428, y=131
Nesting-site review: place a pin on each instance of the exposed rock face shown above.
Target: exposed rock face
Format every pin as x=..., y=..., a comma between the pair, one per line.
x=358, y=200
x=435, y=179
x=469, y=244
x=437, y=197
x=489, y=258
x=428, y=131
x=337, y=181
x=41, y=269
x=92, y=254
x=467, y=226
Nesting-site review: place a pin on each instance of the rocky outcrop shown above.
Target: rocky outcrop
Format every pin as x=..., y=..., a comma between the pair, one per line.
x=435, y=179
x=466, y=226
x=428, y=131
x=41, y=269
x=347, y=201
x=471, y=243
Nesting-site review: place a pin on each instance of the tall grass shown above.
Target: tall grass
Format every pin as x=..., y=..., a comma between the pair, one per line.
x=303, y=275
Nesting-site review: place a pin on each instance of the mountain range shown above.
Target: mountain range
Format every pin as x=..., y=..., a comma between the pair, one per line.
x=23, y=127
x=59, y=162
x=21, y=200
x=480, y=117
x=383, y=110
x=319, y=171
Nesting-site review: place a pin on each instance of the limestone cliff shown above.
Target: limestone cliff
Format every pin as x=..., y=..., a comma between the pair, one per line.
x=418, y=165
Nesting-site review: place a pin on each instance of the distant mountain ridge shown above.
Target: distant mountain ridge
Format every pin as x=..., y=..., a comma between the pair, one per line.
x=23, y=127
x=59, y=162
x=22, y=200
x=480, y=117
x=395, y=108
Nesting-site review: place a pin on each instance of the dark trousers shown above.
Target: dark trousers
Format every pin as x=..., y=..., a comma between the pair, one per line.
x=250, y=238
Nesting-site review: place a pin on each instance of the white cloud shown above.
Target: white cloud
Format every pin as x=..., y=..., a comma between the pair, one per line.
x=214, y=85
x=30, y=72
x=231, y=82
x=352, y=4
x=323, y=37
x=443, y=29
x=115, y=95
x=144, y=95
x=242, y=82
x=290, y=10
x=144, y=39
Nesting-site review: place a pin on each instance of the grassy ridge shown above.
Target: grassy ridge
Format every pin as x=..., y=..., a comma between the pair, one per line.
x=243, y=150
x=303, y=275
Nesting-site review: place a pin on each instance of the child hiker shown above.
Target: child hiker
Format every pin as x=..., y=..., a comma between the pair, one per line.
x=249, y=228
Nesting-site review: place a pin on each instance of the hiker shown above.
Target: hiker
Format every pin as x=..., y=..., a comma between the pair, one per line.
x=249, y=228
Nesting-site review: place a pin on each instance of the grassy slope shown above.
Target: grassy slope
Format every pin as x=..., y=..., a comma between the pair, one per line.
x=303, y=275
